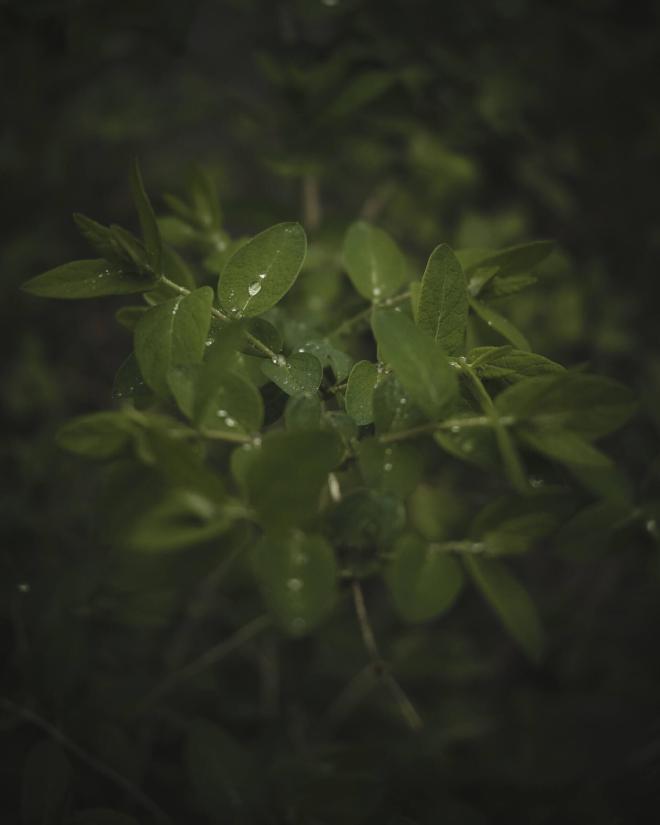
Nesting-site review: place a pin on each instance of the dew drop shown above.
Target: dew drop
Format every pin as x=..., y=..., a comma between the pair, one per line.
x=262, y=275
x=295, y=585
x=403, y=401
x=256, y=441
x=208, y=342
x=23, y=587
x=280, y=361
x=536, y=482
x=387, y=467
x=652, y=526
x=455, y=429
x=230, y=422
x=254, y=288
x=376, y=292
x=222, y=413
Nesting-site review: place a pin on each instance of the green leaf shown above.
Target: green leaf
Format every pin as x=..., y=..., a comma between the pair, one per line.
x=329, y=356
x=150, y=231
x=283, y=502
x=511, y=525
x=564, y=446
x=102, y=816
x=99, y=237
x=221, y=772
x=510, y=365
x=589, y=405
x=366, y=519
x=419, y=363
x=514, y=260
x=500, y=324
x=360, y=392
x=172, y=334
x=393, y=468
x=132, y=249
x=476, y=445
x=204, y=194
x=588, y=533
x=424, y=580
x=225, y=400
x=303, y=412
x=297, y=374
x=436, y=511
x=181, y=519
x=46, y=783
x=443, y=302
x=87, y=279
x=373, y=261
x=98, y=435
x=393, y=409
x=129, y=316
x=264, y=332
x=129, y=382
x=262, y=271
x=501, y=287
x=297, y=575
x=510, y=601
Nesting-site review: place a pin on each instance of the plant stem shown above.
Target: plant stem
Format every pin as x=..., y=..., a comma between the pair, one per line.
x=211, y=657
x=311, y=198
x=378, y=665
x=256, y=343
x=91, y=761
x=512, y=461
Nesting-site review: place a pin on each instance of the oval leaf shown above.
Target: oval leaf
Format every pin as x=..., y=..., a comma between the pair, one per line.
x=424, y=580
x=419, y=363
x=262, y=271
x=360, y=392
x=500, y=324
x=443, y=302
x=392, y=468
x=87, y=279
x=172, y=334
x=373, y=261
x=298, y=578
x=296, y=374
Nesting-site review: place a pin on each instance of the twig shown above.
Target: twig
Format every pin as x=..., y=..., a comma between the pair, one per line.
x=211, y=657
x=91, y=761
x=378, y=665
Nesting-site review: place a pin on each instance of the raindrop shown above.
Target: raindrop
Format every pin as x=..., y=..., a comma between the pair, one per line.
x=294, y=585
x=222, y=413
x=462, y=360
x=23, y=587
x=652, y=526
x=208, y=342
x=455, y=429
x=230, y=422
x=376, y=291
x=535, y=481
x=387, y=467
x=280, y=361
x=403, y=401
x=262, y=275
x=256, y=441
x=254, y=288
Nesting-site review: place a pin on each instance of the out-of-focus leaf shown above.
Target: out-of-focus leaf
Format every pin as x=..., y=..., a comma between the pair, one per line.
x=373, y=261
x=87, y=279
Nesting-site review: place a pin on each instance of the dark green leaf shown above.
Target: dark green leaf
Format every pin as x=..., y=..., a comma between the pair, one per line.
x=296, y=374
x=225, y=400
x=172, y=334
x=365, y=519
x=280, y=501
x=515, y=259
x=510, y=601
x=588, y=534
x=512, y=525
x=500, y=324
x=510, y=365
x=329, y=356
x=360, y=392
x=132, y=249
x=303, y=412
x=99, y=237
x=436, y=510
x=443, y=302
x=297, y=575
x=129, y=316
x=393, y=409
x=264, y=332
x=564, y=446
x=262, y=271
x=424, y=580
x=46, y=782
x=393, y=468
x=129, y=382
x=148, y=223
x=373, y=261
x=500, y=287
x=87, y=279
x=419, y=363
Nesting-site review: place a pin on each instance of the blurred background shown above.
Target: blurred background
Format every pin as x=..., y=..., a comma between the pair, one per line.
x=481, y=124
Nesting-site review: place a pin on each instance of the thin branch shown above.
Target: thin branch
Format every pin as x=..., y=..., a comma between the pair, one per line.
x=87, y=758
x=378, y=665
x=311, y=198
x=211, y=657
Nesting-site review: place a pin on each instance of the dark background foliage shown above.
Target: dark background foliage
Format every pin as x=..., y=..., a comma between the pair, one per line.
x=480, y=124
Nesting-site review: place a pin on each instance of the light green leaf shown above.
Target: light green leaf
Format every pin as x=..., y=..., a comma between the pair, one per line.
x=303, y=412
x=98, y=435
x=360, y=392
x=589, y=405
x=511, y=601
x=443, y=302
x=46, y=784
x=172, y=334
x=296, y=374
x=393, y=468
x=424, y=581
x=297, y=575
x=150, y=231
x=419, y=363
x=373, y=261
x=510, y=365
x=283, y=502
x=500, y=324
x=87, y=279
x=262, y=271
